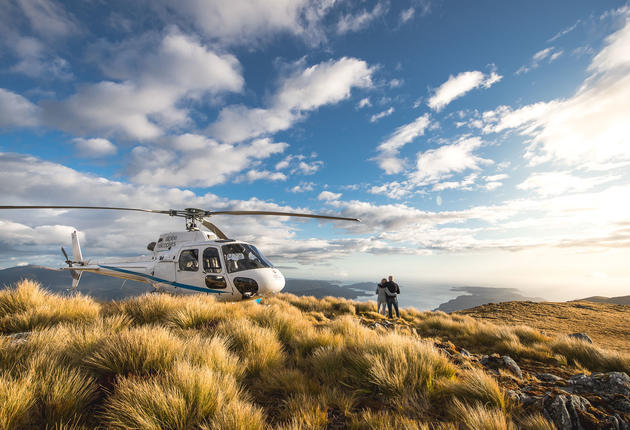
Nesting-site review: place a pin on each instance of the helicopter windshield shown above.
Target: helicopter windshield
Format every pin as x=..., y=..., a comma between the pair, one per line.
x=240, y=256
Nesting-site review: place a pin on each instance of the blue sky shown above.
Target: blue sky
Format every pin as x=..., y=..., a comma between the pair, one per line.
x=480, y=143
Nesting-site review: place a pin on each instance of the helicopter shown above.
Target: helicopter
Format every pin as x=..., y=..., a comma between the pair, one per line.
x=191, y=261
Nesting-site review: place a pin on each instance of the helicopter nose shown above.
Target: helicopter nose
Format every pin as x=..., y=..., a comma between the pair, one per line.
x=270, y=281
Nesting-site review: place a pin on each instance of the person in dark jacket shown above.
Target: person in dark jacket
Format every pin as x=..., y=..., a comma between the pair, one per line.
x=381, y=298
x=392, y=290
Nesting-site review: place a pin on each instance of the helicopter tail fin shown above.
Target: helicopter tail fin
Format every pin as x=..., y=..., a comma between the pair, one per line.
x=76, y=248
x=77, y=256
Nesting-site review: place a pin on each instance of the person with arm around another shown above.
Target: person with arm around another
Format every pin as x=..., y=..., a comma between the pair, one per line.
x=381, y=298
x=392, y=290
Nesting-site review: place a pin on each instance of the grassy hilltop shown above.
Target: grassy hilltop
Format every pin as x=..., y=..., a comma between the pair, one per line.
x=164, y=362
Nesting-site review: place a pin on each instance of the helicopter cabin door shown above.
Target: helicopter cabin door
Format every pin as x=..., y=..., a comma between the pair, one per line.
x=187, y=272
x=214, y=273
x=209, y=275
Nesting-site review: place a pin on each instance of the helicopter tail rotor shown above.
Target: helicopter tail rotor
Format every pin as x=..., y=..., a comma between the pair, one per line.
x=77, y=259
x=65, y=254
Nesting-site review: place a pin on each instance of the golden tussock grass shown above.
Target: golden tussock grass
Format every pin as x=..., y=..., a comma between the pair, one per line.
x=257, y=347
x=535, y=422
x=370, y=420
x=27, y=307
x=159, y=361
x=479, y=417
x=391, y=366
x=473, y=387
x=187, y=397
x=17, y=398
x=589, y=356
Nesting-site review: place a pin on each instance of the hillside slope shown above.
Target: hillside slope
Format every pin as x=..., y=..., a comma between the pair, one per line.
x=164, y=362
x=620, y=300
x=607, y=324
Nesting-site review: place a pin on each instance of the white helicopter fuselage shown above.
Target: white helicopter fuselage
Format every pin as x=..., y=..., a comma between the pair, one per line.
x=192, y=262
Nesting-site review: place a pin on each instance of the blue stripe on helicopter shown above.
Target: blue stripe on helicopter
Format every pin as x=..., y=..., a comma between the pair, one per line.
x=164, y=281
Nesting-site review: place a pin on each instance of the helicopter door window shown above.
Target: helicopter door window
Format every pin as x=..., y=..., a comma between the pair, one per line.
x=189, y=260
x=211, y=262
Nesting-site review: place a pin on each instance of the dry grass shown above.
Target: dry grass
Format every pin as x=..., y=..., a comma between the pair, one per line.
x=160, y=361
x=187, y=397
x=257, y=347
x=589, y=356
x=535, y=422
x=479, y=417
x=17, y=398
x=605, y=323
x=474, y=387
x=27, y=307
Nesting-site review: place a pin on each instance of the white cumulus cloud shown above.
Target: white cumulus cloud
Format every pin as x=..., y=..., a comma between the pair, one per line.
x=305, y=90
x=388, y=157
x=95, y=147
x=145, y=103
x=17, y=111
x=436, y=164
x=457, y=86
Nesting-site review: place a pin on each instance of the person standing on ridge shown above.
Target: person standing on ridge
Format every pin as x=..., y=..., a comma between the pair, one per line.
x=381, y=300
x=392, y=290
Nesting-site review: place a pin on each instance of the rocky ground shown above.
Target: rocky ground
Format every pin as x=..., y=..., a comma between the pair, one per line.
x=571, y=400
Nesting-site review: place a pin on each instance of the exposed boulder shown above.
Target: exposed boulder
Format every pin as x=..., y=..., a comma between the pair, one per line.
x=581, y=336
x=496, y=362
x=566, y=411
x=548, y=377
x=603, y=384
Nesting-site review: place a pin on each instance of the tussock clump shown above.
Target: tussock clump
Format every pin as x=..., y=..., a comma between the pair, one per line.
x=275, y=384
x=351, y=329
x=149, y=349
x=146, y=309
x=187, y=397
x=328, y=305
x=473, y=387
x=309, y=340
x=529, y=336
x=257, y=347
x=213, y=354
x=286, y=323
x=580, y=352
x=303, y=303
x=27, y=307
x=138, y=351
x=203, y=312
x=392, y=366
x=376, y=420
x=339, y=306
x=478, y=417
x=65, y=395
x=304, y=411
x=17, y=399
x=535, y=422
x=25, y=295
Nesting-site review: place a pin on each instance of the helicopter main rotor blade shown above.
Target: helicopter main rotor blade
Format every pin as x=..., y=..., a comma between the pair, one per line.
x=291, y=214
x=213, y=228
x=88, y=207
x=189, y=212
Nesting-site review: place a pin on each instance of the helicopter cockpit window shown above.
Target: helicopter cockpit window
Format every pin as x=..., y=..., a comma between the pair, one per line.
x=189, y=260
x=211, y=262
x=240, y=256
